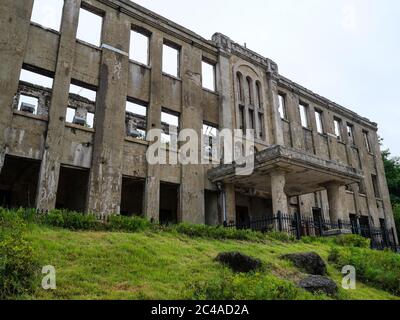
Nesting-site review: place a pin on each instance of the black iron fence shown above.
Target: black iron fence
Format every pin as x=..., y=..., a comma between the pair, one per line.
x=300, y=226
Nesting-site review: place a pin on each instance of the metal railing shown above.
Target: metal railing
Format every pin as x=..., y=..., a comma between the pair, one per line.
x=300, y=226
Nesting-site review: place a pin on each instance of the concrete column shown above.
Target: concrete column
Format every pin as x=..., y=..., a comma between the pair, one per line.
x=192, y=185
x=273, y=103
x=336, y=202
x=296, y=129
x=50, y=166
x=15, y=18
x=152, y=189
x=105, y=181
x=230, y=200
x=225, y=83
x=279, y=198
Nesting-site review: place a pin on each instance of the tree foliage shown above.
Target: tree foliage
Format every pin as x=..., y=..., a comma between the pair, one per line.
x=392, y=169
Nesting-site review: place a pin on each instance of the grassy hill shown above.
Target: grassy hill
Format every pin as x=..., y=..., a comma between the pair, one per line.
x=168, y=264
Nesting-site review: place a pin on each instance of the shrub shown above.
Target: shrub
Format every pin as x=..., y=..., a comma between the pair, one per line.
x=127, y=224
x=348, y=240
x=18, y=268
x=71, y=220
x=281, y=236
x=379, y=268
x=219, y=233
x=352, y=240
x=244, y=287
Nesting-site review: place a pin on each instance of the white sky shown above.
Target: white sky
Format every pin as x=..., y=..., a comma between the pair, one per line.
x=345, y=50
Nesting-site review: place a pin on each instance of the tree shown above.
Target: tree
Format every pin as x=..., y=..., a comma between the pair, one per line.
x=392, y=169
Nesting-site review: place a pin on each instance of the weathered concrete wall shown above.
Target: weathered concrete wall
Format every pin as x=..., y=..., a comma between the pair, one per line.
x=110, y=154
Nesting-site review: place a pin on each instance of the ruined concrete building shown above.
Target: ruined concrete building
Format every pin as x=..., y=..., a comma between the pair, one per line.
x=77, y=141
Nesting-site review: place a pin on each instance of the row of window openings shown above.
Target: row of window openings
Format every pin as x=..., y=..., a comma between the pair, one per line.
x=249, y=91
x=89, y=30
x=252, y=121
x=303, y=109
x=136, y=112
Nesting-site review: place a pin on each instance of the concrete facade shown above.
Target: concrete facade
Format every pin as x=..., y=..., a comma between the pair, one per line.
x=342, y=176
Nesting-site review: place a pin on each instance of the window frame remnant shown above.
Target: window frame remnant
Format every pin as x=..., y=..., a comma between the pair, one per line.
x=170, y=50
x=137, y=35
x=89, y=14
x=320, y=121
x=139, y=110
x=303, y=108
x=208, y=75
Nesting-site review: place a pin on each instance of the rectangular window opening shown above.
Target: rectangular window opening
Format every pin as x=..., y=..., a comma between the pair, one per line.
x=170, y=60
x=28, y=104
x=261, y=125
x=136, y=120
x=242, y=119
x=82, y=104
x=338, y=129
x=210, y=138
x=89, y=27
x=366, y=141
x=350, y=133
x=208, y=75
x=36, y=79
x=318, y=118
x=48, y=13
x=375, y=186
x=170, y=125
x=139, y=47
x=282, y=106
x=303, y=115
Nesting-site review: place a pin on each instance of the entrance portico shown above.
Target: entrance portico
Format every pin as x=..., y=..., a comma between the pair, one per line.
x=281, y=172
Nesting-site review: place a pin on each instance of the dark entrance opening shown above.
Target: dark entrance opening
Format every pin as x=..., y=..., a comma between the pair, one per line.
x=72, y=189
x=212, y=211
x=242, y=217
x=169, y=195
x=18, y=182
x=132, y=195
x=365, y=227
x=317, y=217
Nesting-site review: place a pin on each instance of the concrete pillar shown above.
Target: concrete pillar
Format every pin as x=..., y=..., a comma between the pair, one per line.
x=273, y=103
x=336, y=202
x=279, y=198
x=15, y=17
x=192, y=185
x=230, y=200
x=152, y=189
x=50, y=166
x=293, y=114
x=105, y=181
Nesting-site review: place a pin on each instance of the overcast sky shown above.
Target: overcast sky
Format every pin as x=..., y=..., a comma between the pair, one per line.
x=345, y=50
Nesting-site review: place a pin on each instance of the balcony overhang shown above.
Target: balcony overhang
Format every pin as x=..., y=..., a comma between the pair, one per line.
x=305, y=173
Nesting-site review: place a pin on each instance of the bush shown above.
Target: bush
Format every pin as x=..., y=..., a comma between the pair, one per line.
x=352, y=240
x=347, y=240
x=379, y=268
x=218, y=233
x=244, y=287
x=127, y=224
x=281, y=236
x=71, y=220
x=18, y=268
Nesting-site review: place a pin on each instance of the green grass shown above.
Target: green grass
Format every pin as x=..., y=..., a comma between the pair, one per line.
x=168, y=265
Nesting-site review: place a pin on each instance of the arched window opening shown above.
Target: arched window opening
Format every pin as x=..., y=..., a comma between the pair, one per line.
x=259, y=98
x=250, y=91
x=240, y=86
